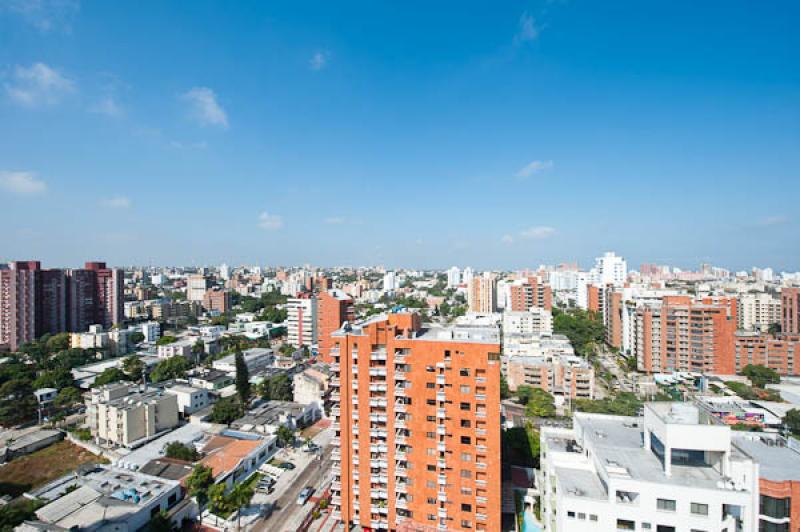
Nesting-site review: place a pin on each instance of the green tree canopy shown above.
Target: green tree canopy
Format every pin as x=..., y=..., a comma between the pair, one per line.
x=110, y=375
x=242, y=377
x=181, y=451
x=171, y=368
x=277, y=388
x=584, y=329
x=199, y=482
x=227, y=410
x=760, y=376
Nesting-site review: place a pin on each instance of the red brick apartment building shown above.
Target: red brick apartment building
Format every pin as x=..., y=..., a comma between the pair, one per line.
x=683, y=334
x=531, y=293
x=416, y=413
x=780, y=353
x=334, y=307
x=790, y=310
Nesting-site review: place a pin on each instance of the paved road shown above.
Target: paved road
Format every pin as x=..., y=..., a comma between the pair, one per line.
x=287, y=514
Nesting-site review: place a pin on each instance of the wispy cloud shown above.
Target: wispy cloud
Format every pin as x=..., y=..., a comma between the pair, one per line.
x=200, y=145
x=116, y=202
x=507, y=239
x=270, y=222
x=319, y=60
x=44, y=15
x=537, y=232
x=528, y=29
x=205, y=108
x=534, y=167
x=107, y=106
x=335, y=220
x=22, y=183
x=771, y=221
x=38, y=85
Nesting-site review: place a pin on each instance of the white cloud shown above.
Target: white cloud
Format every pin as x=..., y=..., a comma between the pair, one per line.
x=205, y=108
x=537, y=232
x=534, y=167
x=116, y=202
x=23, y=183
x=507, y=239
x=38, y=85
x=107, y=106
x=319, y=60
x=528, y=30
x=269, y=222
x=771, y=221
x=44, y=15
x=335, y=220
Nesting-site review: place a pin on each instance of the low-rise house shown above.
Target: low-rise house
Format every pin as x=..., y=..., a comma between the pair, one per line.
x=234, y=457
x=182, y=347
x=266, y=417
x=20, y=442
x=311, y=385
x=45, y=395
x=211, y=380
x=103, y=498
x=256, y=358
x=190, y=399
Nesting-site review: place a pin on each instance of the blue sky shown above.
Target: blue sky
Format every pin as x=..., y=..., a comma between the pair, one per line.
x=418, y=134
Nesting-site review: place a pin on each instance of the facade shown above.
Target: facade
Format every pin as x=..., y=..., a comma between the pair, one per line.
x=18, y=304
x=781, y=353
x=182, y=347
x=682, y=334
x=758, y=311
x=790, y=310
x=256, y=359
x=564, y=377
x=415, y=410
x=533, y=321
x=301, y=323
x=453, y=277
x=216, y=300
x=674, y=469
x=529, y=293
x=611, y=269
x=482, y=294
x=334, y=307
x=196, y=286
x=120, y=415
x=190, y=399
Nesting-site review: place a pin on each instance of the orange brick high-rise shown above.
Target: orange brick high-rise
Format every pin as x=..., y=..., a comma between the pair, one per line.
x=334, y=307
x=416, y=413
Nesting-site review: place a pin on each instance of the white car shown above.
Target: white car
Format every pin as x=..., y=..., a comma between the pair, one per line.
x=304, y=495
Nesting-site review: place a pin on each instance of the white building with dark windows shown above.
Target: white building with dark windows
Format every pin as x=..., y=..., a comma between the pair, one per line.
x=673, y=470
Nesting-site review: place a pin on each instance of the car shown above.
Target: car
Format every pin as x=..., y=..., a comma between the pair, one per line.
x=286, y=465
x=266, y=510
x=304, y=495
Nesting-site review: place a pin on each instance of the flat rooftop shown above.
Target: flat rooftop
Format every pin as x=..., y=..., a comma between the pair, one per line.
x=776, y=461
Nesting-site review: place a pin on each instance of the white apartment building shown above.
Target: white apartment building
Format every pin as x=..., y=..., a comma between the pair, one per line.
x=757, y=311
x=311, y=386
x=196, y=286
x=534, y=321
x=301, y=323
x=114, y=342
x=190, y=399
x=389, y=282
x=123, y=416
x=453, y=277
x=180, y=347
x=611, y=269
x=151, y=331
x=673, y=470
x=256, y=359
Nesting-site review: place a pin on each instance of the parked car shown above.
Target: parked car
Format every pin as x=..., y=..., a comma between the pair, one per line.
x=304, y=495
x=286, y=465
x=266, y=510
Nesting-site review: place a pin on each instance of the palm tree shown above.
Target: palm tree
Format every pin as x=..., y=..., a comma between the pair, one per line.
x=239, y=498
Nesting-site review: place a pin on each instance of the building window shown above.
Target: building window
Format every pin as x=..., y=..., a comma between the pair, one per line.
x=665, y=505
x=431, y=402
x=430, y=385
x=665, y=528
x=571, y=515
x=699, y=508
x=431, y=467
x=466, y=507
x=431, y=451
x=430, y=435
x=466, y=440
x=626, y=524
x=464, y=389
x=464, y=372
x=464, y=406
x=466, y=457
x=465, y=423
x=775, y=508
x=466, y=473
x=466, y=524
x=431, y=500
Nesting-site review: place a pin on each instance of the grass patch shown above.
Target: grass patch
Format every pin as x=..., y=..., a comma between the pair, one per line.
x=31, y=471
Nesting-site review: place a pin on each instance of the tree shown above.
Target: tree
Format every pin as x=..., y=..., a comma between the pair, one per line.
x=171, y=368
x=240, y=497
x=166, y=340
x=198, y=348
x=160, y=523
x=179, y=451
x=774, y=329
x=133, y=366
x=760, y=376
x=242, y=377
x=57, y=378
x=538, y=402
x=67, y=397
x=277, y=388
x=623, y=404
x=521, y=446
x=198, y=484
x=227, y=410
x=110, y=375
x=285, y=436
x=57, y=342
x=216, y=497
x=792, y=421
x=135, y=338
x=18, y=403
x=505, y=393
x=584, y=329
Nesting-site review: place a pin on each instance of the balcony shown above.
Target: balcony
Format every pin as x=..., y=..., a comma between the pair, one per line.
x=399, y=407
x=441, y=413
x=377, y=355
x=399, y=375
x=399, y=392
x=440, y=380
x=441, y=397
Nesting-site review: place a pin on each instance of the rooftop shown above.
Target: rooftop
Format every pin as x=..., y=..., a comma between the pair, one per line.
x=776, y=460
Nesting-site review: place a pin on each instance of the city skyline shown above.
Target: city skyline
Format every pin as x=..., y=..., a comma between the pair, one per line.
x=501, y=137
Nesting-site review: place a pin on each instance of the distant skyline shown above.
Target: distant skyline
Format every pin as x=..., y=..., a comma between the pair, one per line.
x=408, y=134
